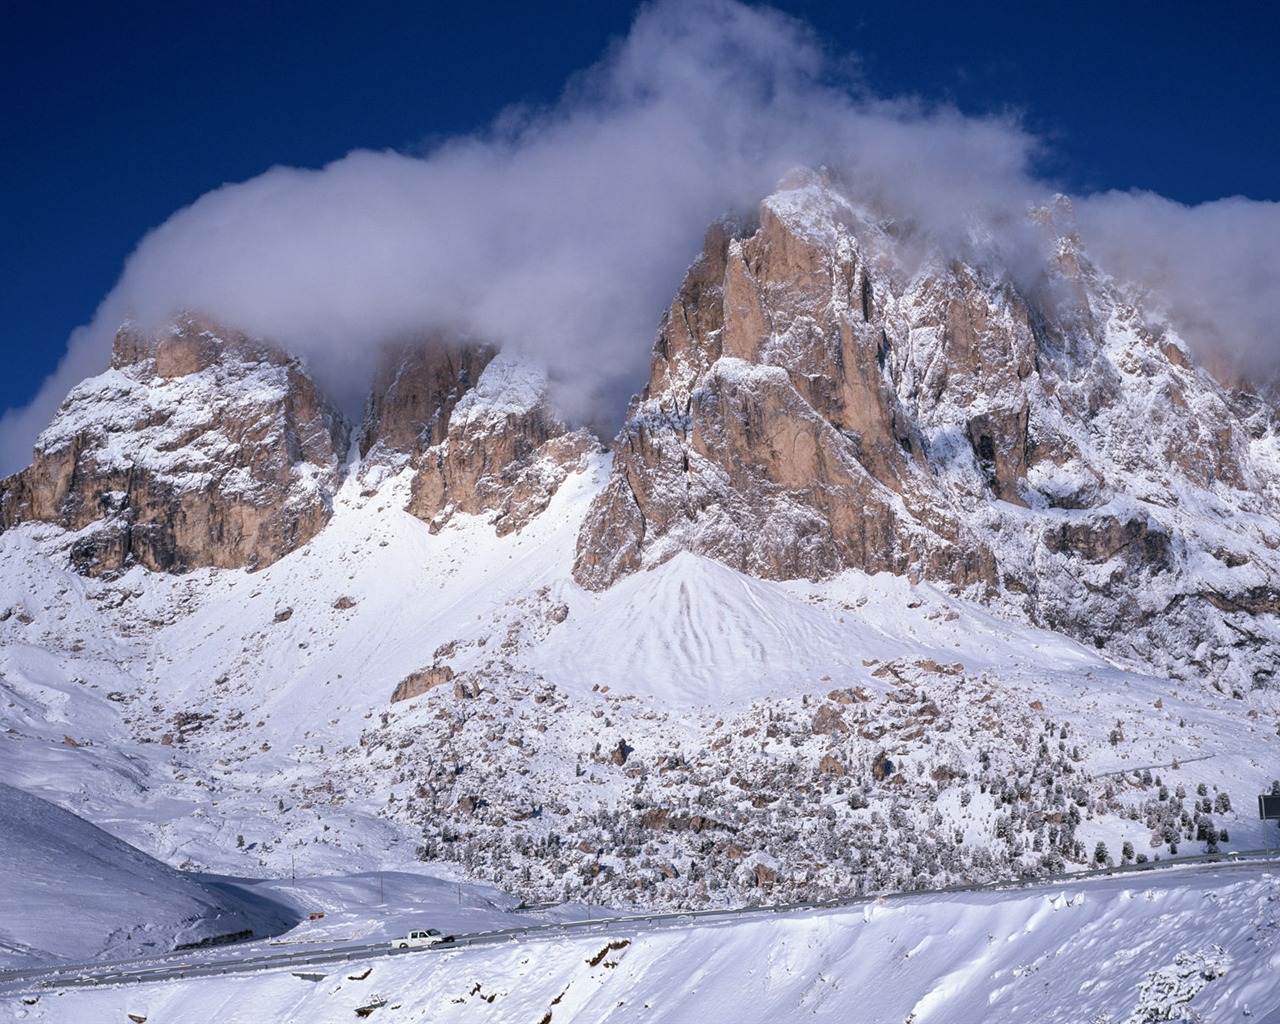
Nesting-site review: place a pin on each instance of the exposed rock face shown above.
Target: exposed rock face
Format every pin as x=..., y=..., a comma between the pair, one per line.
x=479, y=430
x=198, y=447
x=506, y=465
x=815, y=404
x=414, y=392
x=417, y=683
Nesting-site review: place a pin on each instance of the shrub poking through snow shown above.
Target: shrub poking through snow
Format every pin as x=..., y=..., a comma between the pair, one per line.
x=1166, y=992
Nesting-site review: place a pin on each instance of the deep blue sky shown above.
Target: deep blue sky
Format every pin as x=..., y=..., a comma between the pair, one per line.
x=118, y=113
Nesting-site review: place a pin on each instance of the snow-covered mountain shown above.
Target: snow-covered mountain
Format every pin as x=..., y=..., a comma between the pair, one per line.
x=823, y=397
x=197, y=447
x=904, y=570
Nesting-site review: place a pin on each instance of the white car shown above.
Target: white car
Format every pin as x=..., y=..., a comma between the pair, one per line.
x=425, y=937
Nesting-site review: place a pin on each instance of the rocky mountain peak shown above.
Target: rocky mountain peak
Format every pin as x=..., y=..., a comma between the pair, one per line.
x=477, y=427
x=414, y=390
x=188, y=344
x=505, y=454
x=817, y=402
x=198, y=446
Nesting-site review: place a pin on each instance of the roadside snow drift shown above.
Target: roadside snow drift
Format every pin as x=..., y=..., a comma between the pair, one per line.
x=1199, y=944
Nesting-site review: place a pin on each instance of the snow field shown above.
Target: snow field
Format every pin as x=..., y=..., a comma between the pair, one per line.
x=1117, y=950
x=285, y=755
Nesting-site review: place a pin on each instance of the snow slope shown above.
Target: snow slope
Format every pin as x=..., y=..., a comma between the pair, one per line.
x=693, y=631
x=74, y=893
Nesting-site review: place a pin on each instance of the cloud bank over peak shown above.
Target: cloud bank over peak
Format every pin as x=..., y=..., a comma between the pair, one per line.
x=1212, y=269
x=562, y=233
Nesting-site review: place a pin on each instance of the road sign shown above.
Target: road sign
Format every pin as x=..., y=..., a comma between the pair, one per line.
x=1268, y=807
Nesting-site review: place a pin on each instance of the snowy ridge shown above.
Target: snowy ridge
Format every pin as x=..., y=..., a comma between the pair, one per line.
x=692, y=631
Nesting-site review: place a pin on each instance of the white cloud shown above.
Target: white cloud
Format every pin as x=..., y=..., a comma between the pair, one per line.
x=1213, y=269
x=561, y=232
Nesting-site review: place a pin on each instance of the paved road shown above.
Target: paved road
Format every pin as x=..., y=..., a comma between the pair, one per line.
x=203, y=963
